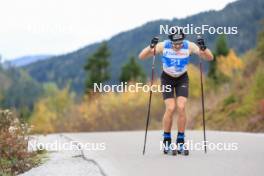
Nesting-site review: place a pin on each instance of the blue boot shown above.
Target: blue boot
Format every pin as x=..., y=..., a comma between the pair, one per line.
x=167, y=144
x=180, y=144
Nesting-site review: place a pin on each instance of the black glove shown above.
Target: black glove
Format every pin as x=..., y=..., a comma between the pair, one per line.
x=154, y=42
x=201, y=44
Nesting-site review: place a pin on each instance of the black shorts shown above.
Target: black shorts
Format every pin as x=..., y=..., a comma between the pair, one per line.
x=180, y=85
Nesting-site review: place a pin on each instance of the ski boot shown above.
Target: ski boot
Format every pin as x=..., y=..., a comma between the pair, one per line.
x=168, y=148
x=182, y=150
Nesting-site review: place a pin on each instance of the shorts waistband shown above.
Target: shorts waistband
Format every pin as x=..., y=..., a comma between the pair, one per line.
x=172, y=77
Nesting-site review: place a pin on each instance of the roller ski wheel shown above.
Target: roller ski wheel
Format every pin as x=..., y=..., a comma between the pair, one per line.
x=182, y=150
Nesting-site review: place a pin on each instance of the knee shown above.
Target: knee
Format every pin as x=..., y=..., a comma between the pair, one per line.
x=181, y=108
x=171, y=108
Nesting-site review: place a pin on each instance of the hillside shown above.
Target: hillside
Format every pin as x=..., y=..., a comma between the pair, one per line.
x=62, y=69
x=242, y=104
x=18, y=90
x=25, y=60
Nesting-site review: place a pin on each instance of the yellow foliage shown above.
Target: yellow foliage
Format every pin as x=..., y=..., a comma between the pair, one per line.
x=104, y=111
x=194, y=82
x=42, y=118
x=50, y=110
x=121, y=111
x=230, y=64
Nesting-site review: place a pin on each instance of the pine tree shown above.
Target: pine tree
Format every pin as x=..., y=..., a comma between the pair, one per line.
x=97, y=67
x=220, y=50
x=221, y=46
x=260, y=45
x=132, y=71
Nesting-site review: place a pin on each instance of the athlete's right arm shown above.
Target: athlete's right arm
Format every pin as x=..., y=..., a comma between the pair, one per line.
x=148, y=51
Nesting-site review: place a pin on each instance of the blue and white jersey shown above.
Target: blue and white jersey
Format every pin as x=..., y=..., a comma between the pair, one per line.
x=175, y=62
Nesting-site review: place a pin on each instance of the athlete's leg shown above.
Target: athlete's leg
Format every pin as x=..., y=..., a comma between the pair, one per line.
x=181, y=105
x=170, y=104
x=182, y=94
x=170, y=107
x=168, y=115
x=167, y=122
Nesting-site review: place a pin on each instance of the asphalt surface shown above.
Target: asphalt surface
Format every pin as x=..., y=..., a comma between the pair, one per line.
x=120, y=154
x=59, y=162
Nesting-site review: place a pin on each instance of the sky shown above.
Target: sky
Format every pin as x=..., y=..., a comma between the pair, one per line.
x=31, y=27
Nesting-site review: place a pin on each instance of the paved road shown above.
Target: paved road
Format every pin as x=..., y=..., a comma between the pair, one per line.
x=123, y=156
x=61, y=162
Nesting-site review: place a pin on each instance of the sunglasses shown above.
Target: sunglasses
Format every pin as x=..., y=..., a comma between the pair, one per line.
x=177, y=43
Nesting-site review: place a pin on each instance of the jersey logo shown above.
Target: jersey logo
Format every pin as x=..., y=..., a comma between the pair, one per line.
x=175, y=62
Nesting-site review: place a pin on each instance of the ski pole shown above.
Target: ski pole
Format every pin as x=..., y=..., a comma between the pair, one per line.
x=150, y=96
x=202, y=98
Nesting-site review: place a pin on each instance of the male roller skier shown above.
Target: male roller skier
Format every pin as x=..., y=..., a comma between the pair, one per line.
x=175, y=53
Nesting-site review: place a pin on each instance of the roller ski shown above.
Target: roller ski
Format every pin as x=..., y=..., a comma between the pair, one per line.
x=181, y=148
x=168, y=148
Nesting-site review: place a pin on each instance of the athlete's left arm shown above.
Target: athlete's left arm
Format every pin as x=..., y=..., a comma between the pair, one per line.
x=206, y=54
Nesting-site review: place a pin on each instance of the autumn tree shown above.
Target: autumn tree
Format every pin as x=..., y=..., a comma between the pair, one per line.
x=229, y=65
x=49, y=112
x=221, y=50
